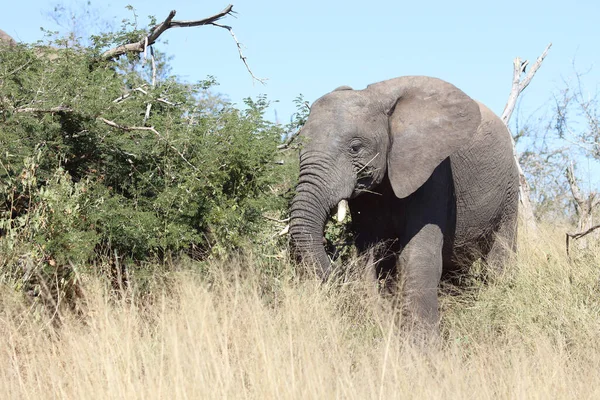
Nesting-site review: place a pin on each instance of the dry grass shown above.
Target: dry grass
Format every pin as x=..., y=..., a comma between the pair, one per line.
x=530, y=333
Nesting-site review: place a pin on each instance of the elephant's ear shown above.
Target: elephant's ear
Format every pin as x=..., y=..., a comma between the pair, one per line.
x=429, y=119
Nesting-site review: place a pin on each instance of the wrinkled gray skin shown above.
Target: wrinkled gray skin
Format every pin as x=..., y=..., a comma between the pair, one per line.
x=425, y=168
x=6, y=40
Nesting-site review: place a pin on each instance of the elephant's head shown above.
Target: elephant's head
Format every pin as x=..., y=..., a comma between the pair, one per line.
x=402, y=128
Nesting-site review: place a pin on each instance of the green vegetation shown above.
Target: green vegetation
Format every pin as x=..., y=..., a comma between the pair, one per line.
x=108, y=162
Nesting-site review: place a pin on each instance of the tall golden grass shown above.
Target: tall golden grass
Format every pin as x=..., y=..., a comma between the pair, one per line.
x=237, y=332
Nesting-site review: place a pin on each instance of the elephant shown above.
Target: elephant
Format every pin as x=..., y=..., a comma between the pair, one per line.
x=423, y=168
x=5, y=39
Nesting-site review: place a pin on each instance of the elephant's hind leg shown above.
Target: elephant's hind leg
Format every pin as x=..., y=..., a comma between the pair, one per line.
x=503, y=246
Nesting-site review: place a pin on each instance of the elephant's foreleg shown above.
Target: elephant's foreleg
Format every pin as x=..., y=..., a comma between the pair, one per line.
x=381, y=266
x=420, y=266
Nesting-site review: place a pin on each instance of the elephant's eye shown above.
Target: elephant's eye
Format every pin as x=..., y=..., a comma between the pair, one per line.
x=355, y=146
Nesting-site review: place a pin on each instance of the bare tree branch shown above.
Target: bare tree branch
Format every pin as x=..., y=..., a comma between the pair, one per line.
x=139, y=47
x=281, y=221
x=242, y=56
x=289, y=141
x=149, y=40
x=519, y=85
x=584, y=204
x=577, y=196
x=579, y=235
x=141, y=90
x=43, y=110
x=149, y=106
x=128, y=94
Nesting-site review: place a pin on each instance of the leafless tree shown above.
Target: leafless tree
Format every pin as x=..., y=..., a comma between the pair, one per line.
x=521, y=80
x=576, y=123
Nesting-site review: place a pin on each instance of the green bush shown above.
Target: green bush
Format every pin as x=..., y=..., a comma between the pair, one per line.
x=86, y=171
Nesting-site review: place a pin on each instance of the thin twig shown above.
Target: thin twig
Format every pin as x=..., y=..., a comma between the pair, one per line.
x=153, y=63
x=365, y=166
x=139, y=89
x=128, y=94
x=242, y=56
x=281, y=221
x=18, y=68
x=369, y=191
x=167, y=102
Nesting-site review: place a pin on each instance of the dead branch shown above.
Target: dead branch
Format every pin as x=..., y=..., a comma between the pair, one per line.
x=579, y=235
x=149, y=40
x=141, y=90
x=289, y=140
x=519, y=85
x=239, y=47
x=582, y=234
x=128, y=94
x=43, y=110
x=281, y=221
x=577, y=196
x=584, y=205
x=153, y=63
x=140, y=47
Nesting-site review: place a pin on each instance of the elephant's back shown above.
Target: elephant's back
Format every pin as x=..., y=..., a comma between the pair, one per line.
x=486, y=183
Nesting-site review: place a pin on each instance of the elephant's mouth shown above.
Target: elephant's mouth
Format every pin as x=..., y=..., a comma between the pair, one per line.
x=364, y=184
x=366, y=179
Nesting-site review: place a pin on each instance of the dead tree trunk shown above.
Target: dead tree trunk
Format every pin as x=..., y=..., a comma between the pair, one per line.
x=584, y=205
x=518, y=85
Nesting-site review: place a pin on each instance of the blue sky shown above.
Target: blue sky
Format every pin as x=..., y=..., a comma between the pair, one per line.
x=311, y=47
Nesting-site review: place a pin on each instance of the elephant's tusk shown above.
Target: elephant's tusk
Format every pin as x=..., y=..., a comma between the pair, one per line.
x=342, y=209
x=284, y=230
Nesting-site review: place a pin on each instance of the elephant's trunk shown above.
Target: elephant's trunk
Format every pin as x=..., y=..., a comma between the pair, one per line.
x=308, y=218
x=319, y=190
